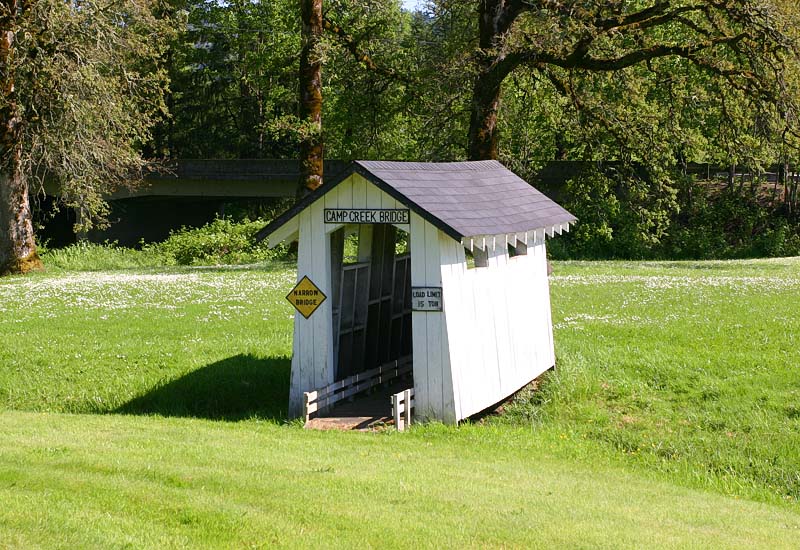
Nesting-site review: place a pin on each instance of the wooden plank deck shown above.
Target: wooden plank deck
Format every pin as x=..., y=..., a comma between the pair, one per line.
x=365, y=412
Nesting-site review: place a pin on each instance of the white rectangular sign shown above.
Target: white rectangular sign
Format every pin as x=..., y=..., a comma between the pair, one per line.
x=426, y=298
x=367, y=215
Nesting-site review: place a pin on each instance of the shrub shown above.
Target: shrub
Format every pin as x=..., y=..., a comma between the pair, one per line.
x=621, y=214
x=625, y=215
x=730, y=224
x=217, y=243
x=221, y=241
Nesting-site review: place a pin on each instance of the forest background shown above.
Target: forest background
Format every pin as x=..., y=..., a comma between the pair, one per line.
x=641, y=91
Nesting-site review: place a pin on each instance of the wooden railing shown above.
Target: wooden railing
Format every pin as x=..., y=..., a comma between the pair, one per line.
x=319, y=400
x=402, y=403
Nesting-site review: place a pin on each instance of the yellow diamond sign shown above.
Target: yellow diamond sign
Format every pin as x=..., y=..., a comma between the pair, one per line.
x=306, y=297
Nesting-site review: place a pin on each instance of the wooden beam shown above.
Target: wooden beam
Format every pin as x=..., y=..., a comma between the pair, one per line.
x=287, y=232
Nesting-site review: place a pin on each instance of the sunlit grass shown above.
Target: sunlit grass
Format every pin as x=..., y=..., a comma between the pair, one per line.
x=675, y=404
x=690, y=368
x=91, y=342
x=111, y=481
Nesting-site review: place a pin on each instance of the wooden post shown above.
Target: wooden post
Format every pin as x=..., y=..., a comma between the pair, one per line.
x=306, y=414
x=407, y=410
x=398, y=419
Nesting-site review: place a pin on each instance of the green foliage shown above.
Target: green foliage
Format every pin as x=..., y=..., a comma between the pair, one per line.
x=236, y=96
x=368, y=108
x=621, y=214
x=219, y=242
x=593, y=200
x=625, y=215
x=731, y=224
x=91, y=88
x=233, y=70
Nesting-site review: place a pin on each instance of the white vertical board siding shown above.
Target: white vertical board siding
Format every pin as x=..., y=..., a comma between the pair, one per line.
x=387, y=201
x=500, y=274
x=322, y=320
x=302, y=376
x=433, y=380
x=419, y=320
x=331, y=198
x=540, y=267
x=312, y=357
x=434, y=322
x=497, y=322
x=459, y=309
x=374, y=195
x=359, y=186
x=345, y=199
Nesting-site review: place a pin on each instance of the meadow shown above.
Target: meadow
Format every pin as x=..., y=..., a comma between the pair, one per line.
x=146, y=407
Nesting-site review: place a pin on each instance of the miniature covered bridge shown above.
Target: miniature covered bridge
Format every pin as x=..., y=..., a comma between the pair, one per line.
x=435, y=273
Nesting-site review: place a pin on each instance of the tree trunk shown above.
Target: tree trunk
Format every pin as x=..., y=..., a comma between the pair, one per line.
x=495, y=19
x=17, y=247
x=311, y=151
x=483, y=119
x=786, y=177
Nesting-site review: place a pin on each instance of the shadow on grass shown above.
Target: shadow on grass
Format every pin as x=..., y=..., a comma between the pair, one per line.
x=243, y=386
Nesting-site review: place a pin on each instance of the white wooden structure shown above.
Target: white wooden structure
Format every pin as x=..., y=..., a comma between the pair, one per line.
x=475, y=231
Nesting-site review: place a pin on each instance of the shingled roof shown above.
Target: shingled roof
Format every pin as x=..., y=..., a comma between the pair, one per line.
x=463, y=199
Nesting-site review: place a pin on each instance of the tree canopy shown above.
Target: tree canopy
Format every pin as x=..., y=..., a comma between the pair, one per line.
x=705, y=80
x=101, y=89
x=82, y=88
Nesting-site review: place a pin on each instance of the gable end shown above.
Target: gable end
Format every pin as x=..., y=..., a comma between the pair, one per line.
x=355, y=168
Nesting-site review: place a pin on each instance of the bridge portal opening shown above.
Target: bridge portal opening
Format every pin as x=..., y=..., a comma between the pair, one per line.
x=371, y=287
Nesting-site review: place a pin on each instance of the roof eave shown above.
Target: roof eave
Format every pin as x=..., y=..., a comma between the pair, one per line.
x=302, y=204
x=536, y=235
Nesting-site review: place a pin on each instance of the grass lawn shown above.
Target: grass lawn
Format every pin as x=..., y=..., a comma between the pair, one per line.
x=110, y=481
x=146, y=408
x=691, y=368
x=195, y=341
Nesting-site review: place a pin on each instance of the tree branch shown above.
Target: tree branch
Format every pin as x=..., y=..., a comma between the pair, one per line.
x=626, y=60
x=354, y=47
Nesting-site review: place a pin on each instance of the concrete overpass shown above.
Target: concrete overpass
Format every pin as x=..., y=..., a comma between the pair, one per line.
x=225, y=179
x=184, y=193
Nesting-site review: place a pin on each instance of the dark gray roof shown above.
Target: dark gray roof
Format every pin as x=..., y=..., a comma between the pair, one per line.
x=463, y=199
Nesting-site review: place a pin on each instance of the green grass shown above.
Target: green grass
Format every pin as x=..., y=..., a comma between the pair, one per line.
x=121, y=481
x=689, y=368
x=207, y=341
x=672, y=419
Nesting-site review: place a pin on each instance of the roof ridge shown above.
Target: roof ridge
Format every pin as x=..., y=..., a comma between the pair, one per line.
x=466, y=165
